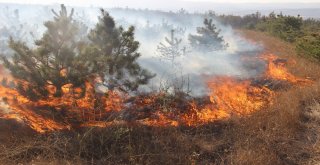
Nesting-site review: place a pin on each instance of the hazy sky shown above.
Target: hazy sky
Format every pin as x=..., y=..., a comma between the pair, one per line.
x=192, y=5
x=257, y=1
x=124, y=2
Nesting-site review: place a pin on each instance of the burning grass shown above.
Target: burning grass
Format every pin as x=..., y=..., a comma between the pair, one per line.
x=285, y=133
x=269, y=119
x=158, y=109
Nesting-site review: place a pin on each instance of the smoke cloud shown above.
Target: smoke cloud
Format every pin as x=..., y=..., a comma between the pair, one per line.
x=188, y=72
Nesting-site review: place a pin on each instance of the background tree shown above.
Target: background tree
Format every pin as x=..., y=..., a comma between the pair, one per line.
x=208, y=38
x=171, y=48
x=288, y=28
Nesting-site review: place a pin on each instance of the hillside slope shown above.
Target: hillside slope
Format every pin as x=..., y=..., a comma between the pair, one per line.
x=287, y=132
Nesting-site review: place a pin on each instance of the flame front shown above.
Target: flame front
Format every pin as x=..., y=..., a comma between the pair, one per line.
x=276, y=70
x=228, y=96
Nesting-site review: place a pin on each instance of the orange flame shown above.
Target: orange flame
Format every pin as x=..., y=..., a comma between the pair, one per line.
x=228, y=96
x=276, y=70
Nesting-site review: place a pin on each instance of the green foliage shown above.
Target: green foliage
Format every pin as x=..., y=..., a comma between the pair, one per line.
x=311, y=25
x=65, y=56
x=55, y=51
x=309, y=45
x=208, y=38
x=303, y=33
x=287, y=28
x=115, y=51
x=248, y=21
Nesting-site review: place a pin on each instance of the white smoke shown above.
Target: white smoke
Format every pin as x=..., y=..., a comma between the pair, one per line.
x=151, y=29
x=4, y=107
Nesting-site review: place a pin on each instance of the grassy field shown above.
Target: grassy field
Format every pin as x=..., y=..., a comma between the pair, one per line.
x=287, y=132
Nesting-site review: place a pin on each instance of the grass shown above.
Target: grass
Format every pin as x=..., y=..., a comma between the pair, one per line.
x=287, y=132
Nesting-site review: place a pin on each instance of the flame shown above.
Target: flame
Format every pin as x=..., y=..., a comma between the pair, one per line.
x=276, y=70
x=229, y=96
x=18, y=110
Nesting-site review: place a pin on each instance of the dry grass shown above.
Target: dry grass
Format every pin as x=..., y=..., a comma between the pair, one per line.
x=273, y=136
x=116, y=145
x=287, y=132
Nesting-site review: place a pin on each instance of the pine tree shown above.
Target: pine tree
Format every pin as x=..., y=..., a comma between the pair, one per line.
x=116, y=53
x=54, y=62
x=171, y=48
x=208, y=38
x=63, y=56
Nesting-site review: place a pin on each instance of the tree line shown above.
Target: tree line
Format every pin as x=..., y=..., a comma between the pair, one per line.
x=303, y=33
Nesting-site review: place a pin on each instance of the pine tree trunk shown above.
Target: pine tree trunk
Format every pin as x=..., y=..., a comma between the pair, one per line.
x=58, y=92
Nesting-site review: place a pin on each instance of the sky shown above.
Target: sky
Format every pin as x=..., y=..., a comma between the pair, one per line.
x=190, y=5
x=124, y=2
x=257, y=1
